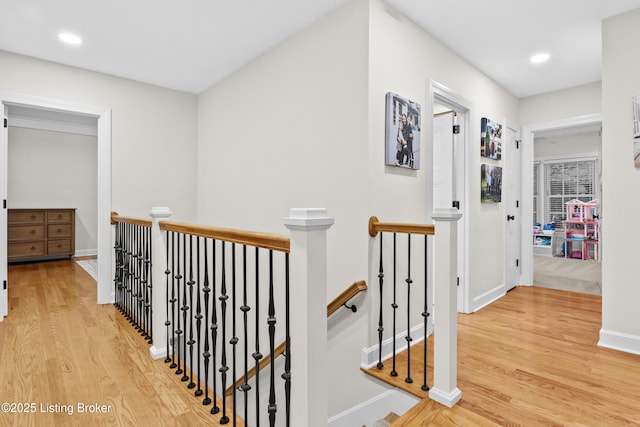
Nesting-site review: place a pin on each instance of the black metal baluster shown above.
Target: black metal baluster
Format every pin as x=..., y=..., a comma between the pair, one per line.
x=198, y=391
x=167, y=322
x=191, y=341
x=178, y=330
x=149, y=276
x=245, y=387
x=287, y=361
x=214, y=330
x=380, y=365
x=257, y=356
x=117, y=279
x=138, y=277
x=234, y=338
x=394, y=373
x=185, y=308
x=173, y=301
x=206, y=354
x=223, y=313
x=272, y=333
x=409, y=282
x=425, y=315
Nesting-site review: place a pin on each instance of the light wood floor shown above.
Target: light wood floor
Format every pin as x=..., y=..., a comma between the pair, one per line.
x=531, y=359
x=568, y=274
x=58, y=347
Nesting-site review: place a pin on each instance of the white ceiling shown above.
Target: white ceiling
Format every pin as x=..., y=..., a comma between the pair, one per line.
x=192, y=44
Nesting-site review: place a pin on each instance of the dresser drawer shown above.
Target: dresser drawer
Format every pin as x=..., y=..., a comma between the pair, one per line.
x=61, y=216
x=25, y=232
x=58, y=247
x=19, y=216
x=55, y=231
x=25, y=249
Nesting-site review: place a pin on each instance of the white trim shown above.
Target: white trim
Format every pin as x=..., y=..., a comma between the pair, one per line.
x=376, y=408
x=157, y=352
x=31, y=123
x=527, y=178
x=86, y=252
x=103, y=114
x=447, y=399
x=619, y=341
x=481, y=301
x=567, y=158
x=444, y=95
x=369, y=356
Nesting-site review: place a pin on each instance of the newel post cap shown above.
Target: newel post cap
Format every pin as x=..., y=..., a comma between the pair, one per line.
x=160, y=212
x=308, y=219
x=446, y=214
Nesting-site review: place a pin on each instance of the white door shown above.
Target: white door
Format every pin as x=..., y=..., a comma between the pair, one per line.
x=443, y=181
x=4, y=140
x=448, y=180
x=512, y=192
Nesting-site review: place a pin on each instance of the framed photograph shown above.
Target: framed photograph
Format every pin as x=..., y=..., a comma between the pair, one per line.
x=402, y=141
x=490, y=139
x=635, y=101
x=491, y=183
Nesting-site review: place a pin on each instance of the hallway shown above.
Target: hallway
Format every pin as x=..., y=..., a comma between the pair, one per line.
x=75, y=363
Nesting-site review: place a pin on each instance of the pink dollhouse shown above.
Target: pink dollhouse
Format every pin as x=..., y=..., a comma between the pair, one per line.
x=581, y=230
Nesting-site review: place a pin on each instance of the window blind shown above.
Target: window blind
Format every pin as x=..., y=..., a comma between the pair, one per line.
x=565, y=181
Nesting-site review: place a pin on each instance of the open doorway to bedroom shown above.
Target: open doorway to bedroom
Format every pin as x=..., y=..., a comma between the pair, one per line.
x=566, y=175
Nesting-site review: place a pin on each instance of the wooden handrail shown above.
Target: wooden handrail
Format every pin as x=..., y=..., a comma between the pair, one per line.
x=130, y=220
x=353, y=290
x=261, y=240
x=345, y=296
x=376, y=227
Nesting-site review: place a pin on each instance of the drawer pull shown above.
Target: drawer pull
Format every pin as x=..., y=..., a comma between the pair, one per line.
x=59, y=245
x=59, y=216
x=33, y=248
x=59, y=230
x=33, y=231
x=33, y=217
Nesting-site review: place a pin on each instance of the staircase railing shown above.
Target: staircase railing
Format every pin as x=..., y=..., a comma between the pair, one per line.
x=444, y=256
x=226, y=298
x=133, y=281
x=341, y=300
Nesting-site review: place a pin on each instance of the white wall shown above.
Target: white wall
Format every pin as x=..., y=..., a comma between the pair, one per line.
x=621, y=184
x=567, y=145
x=56, y=170
x=290, y=130
x=153, y=130
x=562, y=104
x=402, y=60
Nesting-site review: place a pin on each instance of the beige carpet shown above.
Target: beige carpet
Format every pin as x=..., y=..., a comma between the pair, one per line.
x=568, y=274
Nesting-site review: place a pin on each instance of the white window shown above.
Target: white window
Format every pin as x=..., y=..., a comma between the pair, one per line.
x=564, y=181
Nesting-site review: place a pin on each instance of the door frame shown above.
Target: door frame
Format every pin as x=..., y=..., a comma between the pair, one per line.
x=103, y=114
x=440, y=94
x=513, y=204
x=528, y=135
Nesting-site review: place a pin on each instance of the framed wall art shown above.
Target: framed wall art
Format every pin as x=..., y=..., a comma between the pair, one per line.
x=490, y=183
x=402, y=127
x=490, y=139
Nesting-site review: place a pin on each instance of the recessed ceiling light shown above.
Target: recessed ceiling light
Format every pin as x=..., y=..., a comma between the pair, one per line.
x=538, y=58
x=70, y=38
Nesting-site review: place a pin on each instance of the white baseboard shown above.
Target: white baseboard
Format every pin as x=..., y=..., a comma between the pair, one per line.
x=157, y=352
x=488, y=297
x=370, y=356
x=619, y=341
x=447, y=399
x=86, y=252
x=376, y=408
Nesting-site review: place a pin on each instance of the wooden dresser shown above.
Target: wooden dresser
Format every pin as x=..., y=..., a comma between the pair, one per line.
x=35, y=234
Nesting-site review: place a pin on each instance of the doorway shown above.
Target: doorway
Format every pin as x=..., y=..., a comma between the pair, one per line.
x=448, y=188
x=529, y=134
x=103, y=116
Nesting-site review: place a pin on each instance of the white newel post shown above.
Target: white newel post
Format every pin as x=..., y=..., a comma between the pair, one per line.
x=445, y=344
x=158, y=300
x=308, y=311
